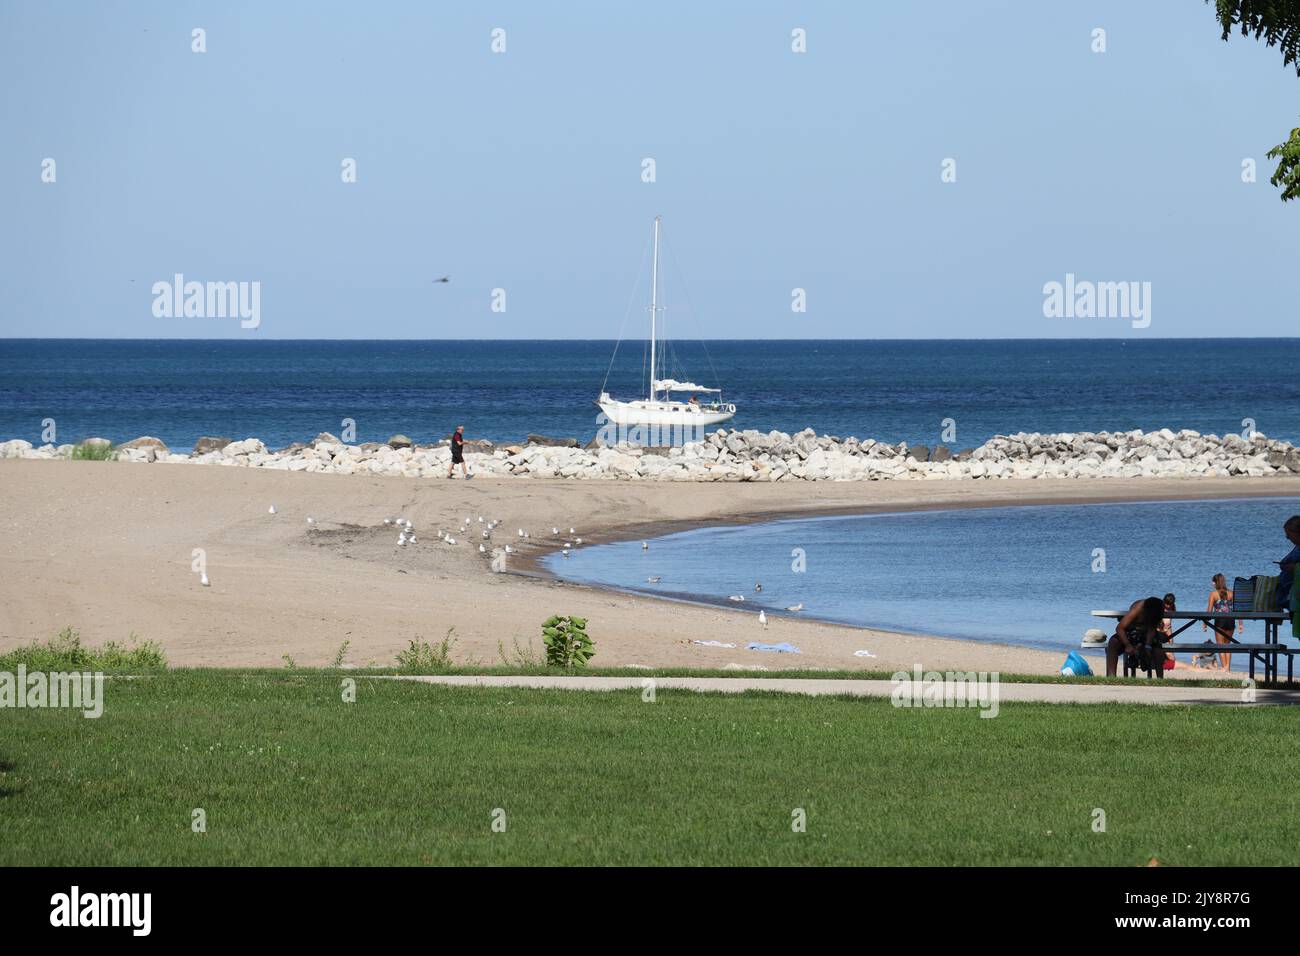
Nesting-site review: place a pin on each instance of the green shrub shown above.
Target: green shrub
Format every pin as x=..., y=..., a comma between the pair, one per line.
x=65, y=653
x=567, y=643
x=422, y=657
x=83, y=452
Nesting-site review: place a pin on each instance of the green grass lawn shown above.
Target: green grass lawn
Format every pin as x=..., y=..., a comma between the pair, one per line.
x=288, y=773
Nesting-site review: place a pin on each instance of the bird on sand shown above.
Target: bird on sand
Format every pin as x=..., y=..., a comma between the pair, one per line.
x=271, y=510
x=203, y=579
x=762, y=618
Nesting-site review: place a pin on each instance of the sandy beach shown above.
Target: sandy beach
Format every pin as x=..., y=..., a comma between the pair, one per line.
x=106, y=548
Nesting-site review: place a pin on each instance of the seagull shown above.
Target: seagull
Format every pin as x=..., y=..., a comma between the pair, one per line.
x=758, y=587
x=482, y=549
x=388, y=521
x=509, y=550
x=555, y=531
x=407, y=522
x=450, y=539
x=271, y=510
x=525, y=534
x=567, y=545
x=487, y=536
x=203, y=579
x=762, y=618
x=565, y=552
x=653, y=580
x=795, y=607
x=736, y=597
x=443, y=279
x=571, y=531
x=412, y=538
x=645, y=546
x=401, y=540
x=311, y=520
x=521, y=532
x=577, y=541
x=480, y=519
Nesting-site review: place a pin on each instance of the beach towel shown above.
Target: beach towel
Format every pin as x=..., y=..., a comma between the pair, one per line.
x=781, y=648
x=1265, y=593
x=1243, y=594
x=1255, y=593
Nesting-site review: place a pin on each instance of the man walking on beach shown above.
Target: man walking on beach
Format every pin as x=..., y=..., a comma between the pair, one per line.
x=458, y=453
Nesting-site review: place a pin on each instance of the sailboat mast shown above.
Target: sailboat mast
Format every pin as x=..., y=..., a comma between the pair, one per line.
x=654, y=308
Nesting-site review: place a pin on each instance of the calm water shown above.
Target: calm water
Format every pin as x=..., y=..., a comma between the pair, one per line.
x=1017, y=575
x=289, y=391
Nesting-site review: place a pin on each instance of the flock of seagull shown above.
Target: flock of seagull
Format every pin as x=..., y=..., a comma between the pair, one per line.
x=406, y=535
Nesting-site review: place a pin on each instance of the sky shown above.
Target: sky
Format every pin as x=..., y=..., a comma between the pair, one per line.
x=523, y=170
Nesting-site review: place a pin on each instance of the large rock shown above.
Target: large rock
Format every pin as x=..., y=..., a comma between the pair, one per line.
x=207, y=444
x=146, y=441
x=552, y=442
x=919, y=452
x=399, y=441
x=249, y=446
x=326, y=438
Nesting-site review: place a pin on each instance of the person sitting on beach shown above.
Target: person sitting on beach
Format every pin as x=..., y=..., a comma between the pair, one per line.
x=1286, y=577
x=1221, y=601
x=1167, y=623
x=1138, y=637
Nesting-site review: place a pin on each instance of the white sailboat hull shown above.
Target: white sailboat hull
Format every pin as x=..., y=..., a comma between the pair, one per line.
x=662, y=414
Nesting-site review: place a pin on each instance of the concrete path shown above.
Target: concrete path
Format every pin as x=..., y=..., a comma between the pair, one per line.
x=1153, y=693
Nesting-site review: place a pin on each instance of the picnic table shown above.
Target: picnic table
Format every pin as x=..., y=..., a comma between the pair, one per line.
x=1266, y=653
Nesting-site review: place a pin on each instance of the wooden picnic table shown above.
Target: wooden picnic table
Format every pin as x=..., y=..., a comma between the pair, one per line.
x=1266, y=653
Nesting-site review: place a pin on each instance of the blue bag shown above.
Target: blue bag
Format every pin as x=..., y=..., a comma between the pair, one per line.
x=1075, y=666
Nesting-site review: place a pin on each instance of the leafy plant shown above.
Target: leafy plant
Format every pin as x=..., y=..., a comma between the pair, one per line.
x=96, y=452
x=288, y=661
x=423, y=657
x=342, y=653
x=65, y=653
x=567, y=643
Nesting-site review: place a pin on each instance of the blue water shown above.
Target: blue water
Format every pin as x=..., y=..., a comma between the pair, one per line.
x=285, y=391
x=1012, y=575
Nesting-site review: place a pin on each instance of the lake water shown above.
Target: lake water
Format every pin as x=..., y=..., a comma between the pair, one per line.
x=1020, y=575
x=286, y=391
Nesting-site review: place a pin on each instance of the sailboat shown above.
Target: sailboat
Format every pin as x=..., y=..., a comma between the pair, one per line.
x=660, y=409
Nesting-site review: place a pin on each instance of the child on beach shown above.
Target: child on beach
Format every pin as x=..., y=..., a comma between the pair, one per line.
x=1220, y=602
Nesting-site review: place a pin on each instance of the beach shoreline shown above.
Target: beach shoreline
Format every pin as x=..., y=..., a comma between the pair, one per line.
x=107, y=548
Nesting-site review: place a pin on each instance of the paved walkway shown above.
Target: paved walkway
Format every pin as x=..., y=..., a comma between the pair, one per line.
x=1153, y=693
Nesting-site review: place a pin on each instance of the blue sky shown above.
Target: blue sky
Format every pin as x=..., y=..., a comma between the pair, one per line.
x=522, y=170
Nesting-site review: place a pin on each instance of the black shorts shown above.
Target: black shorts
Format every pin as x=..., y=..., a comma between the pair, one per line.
x=457, y=456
